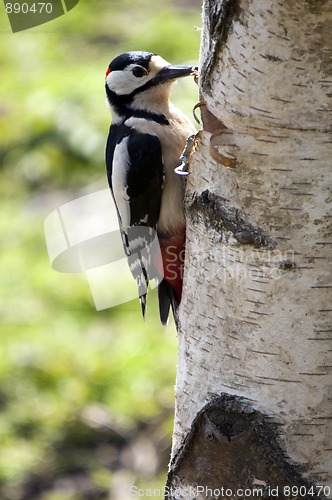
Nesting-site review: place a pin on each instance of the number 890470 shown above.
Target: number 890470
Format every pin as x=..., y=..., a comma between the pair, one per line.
x=24, y=8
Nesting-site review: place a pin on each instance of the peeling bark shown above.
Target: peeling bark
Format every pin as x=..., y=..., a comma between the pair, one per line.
x=255, y=318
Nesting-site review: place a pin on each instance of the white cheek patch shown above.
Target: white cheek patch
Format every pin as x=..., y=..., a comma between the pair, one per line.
x=124, y=82
x=121, y=82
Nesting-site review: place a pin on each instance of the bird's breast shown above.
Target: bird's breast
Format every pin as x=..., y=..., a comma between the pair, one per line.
x=172, y=138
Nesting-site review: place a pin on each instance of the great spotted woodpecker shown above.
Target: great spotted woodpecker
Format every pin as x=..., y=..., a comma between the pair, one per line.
x=145, y=142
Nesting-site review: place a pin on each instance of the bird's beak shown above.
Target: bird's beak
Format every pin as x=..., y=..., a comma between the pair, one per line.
x=173, y=72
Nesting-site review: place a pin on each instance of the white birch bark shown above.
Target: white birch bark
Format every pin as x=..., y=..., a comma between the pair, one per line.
x=255, y=319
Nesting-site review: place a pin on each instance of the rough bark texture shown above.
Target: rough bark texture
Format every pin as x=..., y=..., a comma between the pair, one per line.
x=255, y=319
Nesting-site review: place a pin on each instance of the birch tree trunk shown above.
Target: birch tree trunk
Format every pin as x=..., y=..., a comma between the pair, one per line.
x=253, y=392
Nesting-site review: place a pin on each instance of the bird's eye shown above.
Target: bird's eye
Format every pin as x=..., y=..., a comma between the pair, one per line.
x=139, y=71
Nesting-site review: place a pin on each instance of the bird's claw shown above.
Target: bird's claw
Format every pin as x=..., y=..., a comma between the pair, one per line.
x=182, y=169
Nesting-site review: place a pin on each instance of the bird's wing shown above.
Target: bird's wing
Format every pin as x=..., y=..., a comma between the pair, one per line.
x=135, y=169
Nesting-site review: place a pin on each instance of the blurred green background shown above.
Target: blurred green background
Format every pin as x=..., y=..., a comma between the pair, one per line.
x=86, y=397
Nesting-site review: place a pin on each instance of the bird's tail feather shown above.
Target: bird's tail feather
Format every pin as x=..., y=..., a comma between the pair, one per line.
x=138, y=267
x=167, y=299
x=143, y=304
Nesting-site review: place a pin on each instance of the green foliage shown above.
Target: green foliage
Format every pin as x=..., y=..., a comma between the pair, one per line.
x=82, y=393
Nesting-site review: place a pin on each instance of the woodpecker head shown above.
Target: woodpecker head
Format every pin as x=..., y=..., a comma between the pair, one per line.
x=140, y=80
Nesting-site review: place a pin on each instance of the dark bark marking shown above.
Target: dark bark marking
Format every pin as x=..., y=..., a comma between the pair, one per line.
x=220, y=16
x=223, y=218
x=229, y=435
x=287, y=264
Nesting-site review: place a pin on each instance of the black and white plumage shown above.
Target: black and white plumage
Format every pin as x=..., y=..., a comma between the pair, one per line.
x=145, y=141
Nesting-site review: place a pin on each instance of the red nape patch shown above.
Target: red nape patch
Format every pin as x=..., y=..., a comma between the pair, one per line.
x=107, y=72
